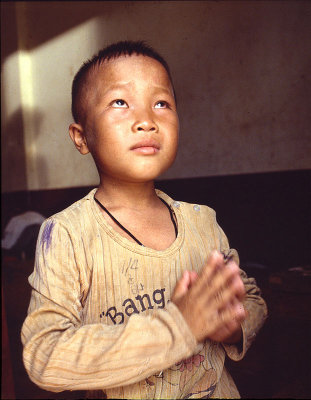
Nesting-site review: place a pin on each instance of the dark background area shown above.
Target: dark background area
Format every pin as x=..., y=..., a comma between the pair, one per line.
x=266, y=218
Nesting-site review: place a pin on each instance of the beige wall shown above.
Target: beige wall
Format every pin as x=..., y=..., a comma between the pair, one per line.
x=241, y=72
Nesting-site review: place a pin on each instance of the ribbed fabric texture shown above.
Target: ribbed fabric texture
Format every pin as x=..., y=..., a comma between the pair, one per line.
x=100, y=316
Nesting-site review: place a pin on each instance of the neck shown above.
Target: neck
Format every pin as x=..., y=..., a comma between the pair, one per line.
x=136, y=195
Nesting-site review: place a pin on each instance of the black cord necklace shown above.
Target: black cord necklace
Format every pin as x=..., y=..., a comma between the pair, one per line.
x=128, y=232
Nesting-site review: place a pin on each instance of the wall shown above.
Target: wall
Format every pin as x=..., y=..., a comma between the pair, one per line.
x=241, y=73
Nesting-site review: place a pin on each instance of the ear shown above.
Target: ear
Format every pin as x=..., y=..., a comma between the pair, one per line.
x=77, y=136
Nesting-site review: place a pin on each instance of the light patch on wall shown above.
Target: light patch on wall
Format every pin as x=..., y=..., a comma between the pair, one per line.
x=17, y=98
x=13, y=173
x=10, y=88
x=42, y=94
x=27, y=106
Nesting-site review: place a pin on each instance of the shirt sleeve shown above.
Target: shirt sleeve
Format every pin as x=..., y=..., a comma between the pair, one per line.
x=60, y=353
x=253, y=303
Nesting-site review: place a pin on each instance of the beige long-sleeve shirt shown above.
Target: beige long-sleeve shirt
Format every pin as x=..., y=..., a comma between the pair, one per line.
x=100, y=316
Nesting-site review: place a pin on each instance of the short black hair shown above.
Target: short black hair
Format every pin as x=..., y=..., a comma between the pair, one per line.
x=113, y=51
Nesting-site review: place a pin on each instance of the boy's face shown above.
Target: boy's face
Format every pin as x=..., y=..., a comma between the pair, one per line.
x=131, y=124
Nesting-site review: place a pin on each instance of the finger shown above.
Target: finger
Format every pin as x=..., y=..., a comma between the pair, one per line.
x=230, y=297
x=193, y=277
x=231, y=327
x=226, y=331
x=222, y=299
x=238, y=288
x=225, y=284
x=239, y=311
x=214, y=263
x=225, y=318
x=233, y=287
x=235, y=313
x=182, y=286
x=228, y=319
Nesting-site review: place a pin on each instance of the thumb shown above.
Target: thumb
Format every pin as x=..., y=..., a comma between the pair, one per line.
x=193, y=276
x=182, y=286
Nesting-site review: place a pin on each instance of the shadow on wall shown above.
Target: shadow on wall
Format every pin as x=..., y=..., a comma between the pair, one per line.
x=15, y=149
x=13, y=171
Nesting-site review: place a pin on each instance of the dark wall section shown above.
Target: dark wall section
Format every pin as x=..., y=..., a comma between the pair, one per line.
x=265, y=216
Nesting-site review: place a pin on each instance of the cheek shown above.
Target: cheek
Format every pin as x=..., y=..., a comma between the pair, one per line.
x=90, y=134
x=96, y=136
x=171, y=147
x=173, y=133
x=174, y=151
x=90, y=141
x=174, y=122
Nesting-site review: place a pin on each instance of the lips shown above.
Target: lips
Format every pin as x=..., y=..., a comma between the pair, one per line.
x=147, y=146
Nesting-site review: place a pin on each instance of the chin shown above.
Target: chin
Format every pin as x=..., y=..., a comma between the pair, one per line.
x=144, y=176
x=146, y=172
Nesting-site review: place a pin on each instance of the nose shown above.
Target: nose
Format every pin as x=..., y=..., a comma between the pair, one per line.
x=145, y=123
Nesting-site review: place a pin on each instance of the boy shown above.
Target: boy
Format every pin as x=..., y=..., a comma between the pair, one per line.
x=135, y=295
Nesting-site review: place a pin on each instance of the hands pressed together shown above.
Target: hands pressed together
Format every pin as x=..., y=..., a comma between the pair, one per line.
x=211, y=302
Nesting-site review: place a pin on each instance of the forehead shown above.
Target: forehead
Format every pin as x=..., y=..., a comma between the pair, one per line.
x=130, y=71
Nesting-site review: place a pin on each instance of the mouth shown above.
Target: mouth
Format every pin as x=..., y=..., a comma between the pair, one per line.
x=146, y=147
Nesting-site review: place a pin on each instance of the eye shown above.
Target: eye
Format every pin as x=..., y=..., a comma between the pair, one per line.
x=119, y=103
x=161, y=104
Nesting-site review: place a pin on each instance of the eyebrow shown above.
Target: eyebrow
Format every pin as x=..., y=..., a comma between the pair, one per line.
x=164, y=89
